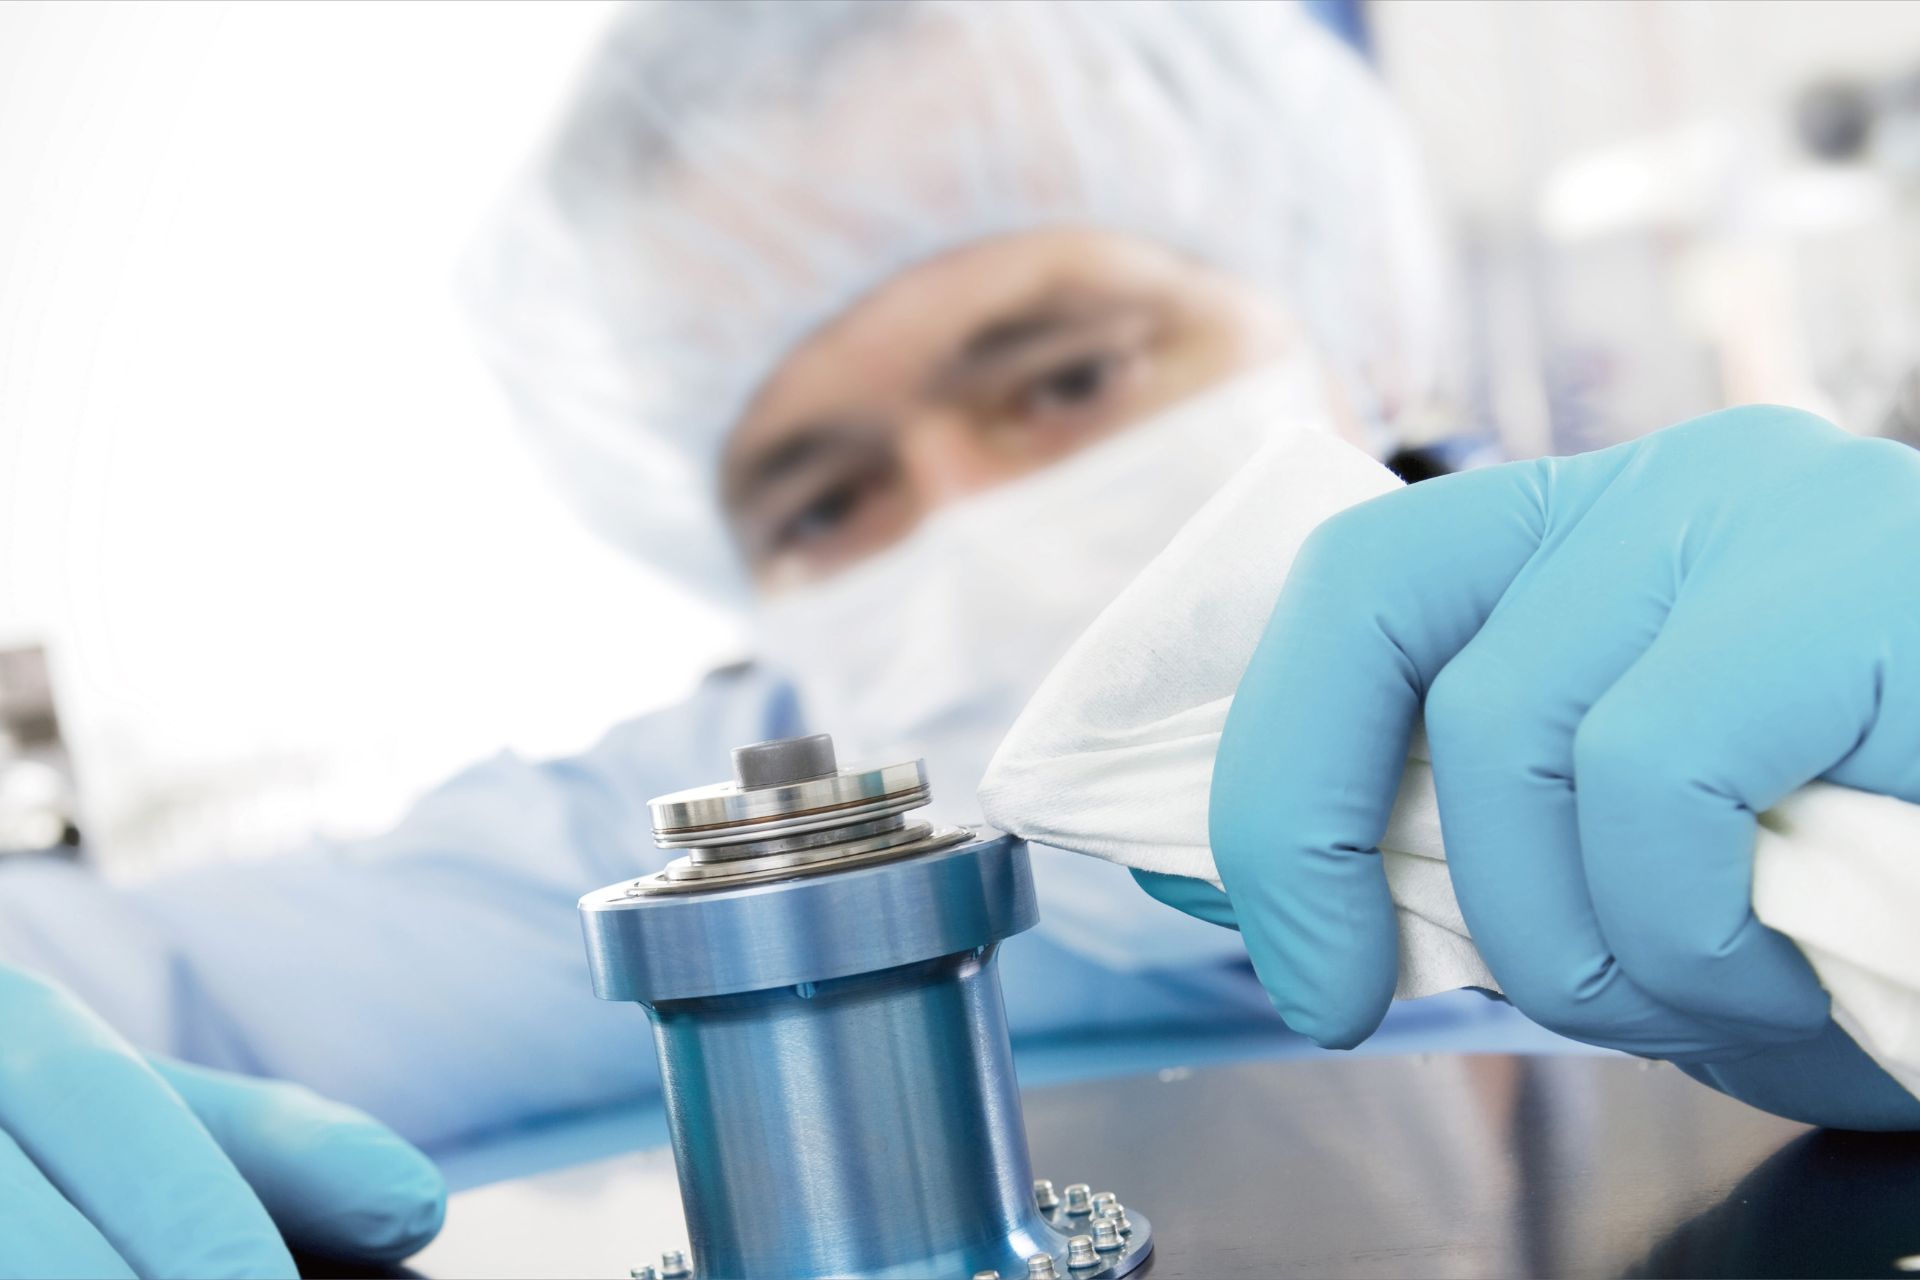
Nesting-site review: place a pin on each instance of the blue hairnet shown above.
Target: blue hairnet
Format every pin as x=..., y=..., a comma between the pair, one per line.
x=731, y=176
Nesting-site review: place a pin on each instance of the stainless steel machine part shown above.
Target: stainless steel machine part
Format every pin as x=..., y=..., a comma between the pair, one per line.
x=833, y=1048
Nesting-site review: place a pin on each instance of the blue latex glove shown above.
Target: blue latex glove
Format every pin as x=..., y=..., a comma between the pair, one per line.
x=114, y=1164
x=1675, y=633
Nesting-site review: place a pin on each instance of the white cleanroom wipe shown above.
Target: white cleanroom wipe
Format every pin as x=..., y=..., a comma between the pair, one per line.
x=1113, y=757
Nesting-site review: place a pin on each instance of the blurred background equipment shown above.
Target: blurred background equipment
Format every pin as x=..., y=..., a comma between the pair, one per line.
x=1669, y=206
x=39, y=804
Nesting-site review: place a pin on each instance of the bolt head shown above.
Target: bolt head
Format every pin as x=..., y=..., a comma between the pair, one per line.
x=1080, y=1253
x=784, y=761
x=1079, y=1198
x=1040, y=1267
x=1106, y=1235
x=1044, y=1195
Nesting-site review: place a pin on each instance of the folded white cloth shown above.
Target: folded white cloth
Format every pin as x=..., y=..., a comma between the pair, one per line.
x=1114, y=757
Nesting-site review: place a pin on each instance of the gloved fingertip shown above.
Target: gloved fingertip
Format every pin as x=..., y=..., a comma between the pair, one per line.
x=1158, y=885
x=1186, y=894
x=1345, y=1031
x=416, y=1209
x=336, y=1182
x=368, y=1195
x=421, y=1209
x=1337, y=1010
x=1326, y=948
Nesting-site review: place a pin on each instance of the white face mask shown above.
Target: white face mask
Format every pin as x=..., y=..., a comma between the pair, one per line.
x=932, y=648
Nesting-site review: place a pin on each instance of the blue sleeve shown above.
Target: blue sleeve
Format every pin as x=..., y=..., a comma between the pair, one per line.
x=434, y=975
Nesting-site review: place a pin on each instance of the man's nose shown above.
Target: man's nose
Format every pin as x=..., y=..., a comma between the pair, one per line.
x=943, y=459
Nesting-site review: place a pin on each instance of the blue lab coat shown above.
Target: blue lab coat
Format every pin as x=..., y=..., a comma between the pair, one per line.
x=435, y=977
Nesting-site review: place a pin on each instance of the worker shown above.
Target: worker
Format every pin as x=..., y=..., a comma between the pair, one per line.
x=911, y=330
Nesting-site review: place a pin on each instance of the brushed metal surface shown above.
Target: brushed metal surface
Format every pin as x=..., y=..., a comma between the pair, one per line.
x=836, y=1068
x=868, y=1126
x=757, y=936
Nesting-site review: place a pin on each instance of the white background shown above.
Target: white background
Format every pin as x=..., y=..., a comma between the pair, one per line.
x=255, y=491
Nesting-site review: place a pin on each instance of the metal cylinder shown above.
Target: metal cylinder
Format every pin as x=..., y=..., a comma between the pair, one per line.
x=866, y=1126
x=833, y=1047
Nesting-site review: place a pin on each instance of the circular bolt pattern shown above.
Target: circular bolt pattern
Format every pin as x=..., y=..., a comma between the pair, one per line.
x=1088, y=1254
x=1080, y=1254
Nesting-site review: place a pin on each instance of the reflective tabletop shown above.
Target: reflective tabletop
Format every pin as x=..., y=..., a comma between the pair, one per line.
x=1441, y=1165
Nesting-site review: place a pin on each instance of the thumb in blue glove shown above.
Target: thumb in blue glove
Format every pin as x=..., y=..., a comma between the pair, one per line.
x=112, y=1164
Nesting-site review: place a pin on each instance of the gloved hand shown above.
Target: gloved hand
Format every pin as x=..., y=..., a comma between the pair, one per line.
x=1622, y=657
x=115, y=1164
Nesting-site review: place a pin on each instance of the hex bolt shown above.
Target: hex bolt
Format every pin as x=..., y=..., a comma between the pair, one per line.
x=673, y=1265
x=642, y=1273
x=1044, y=1195
x=1106, y=1235
x=1079, y=1198
x=1040, y=1267
x=1080, y=1254
x=1102, y=1202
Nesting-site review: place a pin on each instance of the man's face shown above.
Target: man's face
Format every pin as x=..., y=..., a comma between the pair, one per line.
x=967, y=371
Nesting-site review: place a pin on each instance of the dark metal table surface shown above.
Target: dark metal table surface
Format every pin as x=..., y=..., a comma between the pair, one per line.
x=1428, y=1166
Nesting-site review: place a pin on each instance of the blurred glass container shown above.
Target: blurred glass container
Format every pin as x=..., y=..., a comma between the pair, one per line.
x=38, y=799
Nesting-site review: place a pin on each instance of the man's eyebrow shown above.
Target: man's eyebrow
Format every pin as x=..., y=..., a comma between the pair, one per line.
x=1005, y=337
x=794, y=451
x=1009, y=333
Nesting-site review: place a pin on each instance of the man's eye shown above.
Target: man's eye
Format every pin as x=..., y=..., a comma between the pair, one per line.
x=821, y=517
x=1074, y=385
